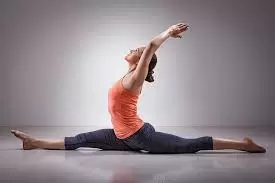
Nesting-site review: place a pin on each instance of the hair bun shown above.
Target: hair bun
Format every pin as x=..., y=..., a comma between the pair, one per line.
x=150, y=78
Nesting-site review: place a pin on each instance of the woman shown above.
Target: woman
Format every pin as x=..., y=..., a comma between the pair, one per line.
x=130, y=132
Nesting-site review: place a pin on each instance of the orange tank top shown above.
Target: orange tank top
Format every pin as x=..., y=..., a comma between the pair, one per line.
x=122, y=106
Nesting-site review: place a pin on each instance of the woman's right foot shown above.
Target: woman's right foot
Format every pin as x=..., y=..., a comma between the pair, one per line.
x=26, y=139
x=252, y=147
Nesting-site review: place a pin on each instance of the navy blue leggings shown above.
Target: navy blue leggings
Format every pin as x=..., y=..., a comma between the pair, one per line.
x=146, y=139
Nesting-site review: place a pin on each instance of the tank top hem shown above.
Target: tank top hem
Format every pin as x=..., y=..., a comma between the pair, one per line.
x=131, y=133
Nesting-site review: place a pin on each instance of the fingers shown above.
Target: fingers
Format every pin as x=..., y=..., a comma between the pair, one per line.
x=180, y=29
x=179, y=24
x=182, y=25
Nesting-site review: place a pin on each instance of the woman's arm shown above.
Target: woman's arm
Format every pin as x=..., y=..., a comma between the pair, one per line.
x=141, y=71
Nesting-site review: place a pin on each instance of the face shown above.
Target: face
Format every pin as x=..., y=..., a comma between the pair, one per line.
x=134, y=55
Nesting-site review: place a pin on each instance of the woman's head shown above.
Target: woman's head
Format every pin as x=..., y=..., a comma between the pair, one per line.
x=133, y=58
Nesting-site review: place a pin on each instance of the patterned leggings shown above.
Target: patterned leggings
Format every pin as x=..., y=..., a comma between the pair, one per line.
x=146, y=138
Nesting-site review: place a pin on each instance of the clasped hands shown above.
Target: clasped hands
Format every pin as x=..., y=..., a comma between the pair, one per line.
x=175, y=30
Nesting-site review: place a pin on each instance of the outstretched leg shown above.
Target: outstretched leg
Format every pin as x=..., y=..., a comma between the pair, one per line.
x=104, y=139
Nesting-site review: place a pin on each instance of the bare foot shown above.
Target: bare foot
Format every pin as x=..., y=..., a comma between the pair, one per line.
x=252, y=147
x=26, y=139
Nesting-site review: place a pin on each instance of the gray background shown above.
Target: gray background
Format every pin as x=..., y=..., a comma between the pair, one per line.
x=59, y=58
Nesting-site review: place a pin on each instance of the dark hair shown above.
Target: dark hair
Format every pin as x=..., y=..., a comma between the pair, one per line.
x=152, y=65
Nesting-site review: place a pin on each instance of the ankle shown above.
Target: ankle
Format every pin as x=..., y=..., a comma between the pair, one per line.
x=35, y=142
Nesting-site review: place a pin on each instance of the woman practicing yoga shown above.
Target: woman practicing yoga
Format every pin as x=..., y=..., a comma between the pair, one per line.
x=130, y=132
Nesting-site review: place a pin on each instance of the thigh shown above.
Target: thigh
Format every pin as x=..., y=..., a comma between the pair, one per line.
x=103, y=139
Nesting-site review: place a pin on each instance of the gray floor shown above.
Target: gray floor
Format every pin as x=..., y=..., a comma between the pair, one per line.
x=92, y=165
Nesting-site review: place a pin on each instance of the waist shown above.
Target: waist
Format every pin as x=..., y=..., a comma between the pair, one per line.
x=125, y=121
x=124, y=128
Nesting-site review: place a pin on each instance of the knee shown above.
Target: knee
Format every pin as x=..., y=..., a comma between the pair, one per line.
x=201, y=143
x=70, y=147
x=70, y=143
x=74, y=142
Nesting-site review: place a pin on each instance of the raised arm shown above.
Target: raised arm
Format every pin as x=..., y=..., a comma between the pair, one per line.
x=141, y=70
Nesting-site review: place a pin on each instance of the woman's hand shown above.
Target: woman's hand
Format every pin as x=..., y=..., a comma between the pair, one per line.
x=177, y=29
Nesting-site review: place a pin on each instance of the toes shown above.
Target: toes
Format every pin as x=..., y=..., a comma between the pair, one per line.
x=18, y=134
x=13, y=131
x=262, y=150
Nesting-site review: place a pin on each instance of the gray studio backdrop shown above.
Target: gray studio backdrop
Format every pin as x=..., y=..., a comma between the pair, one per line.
x=59, y=58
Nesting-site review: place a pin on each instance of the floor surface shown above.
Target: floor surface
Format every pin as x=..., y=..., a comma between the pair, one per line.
x=94, y=165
